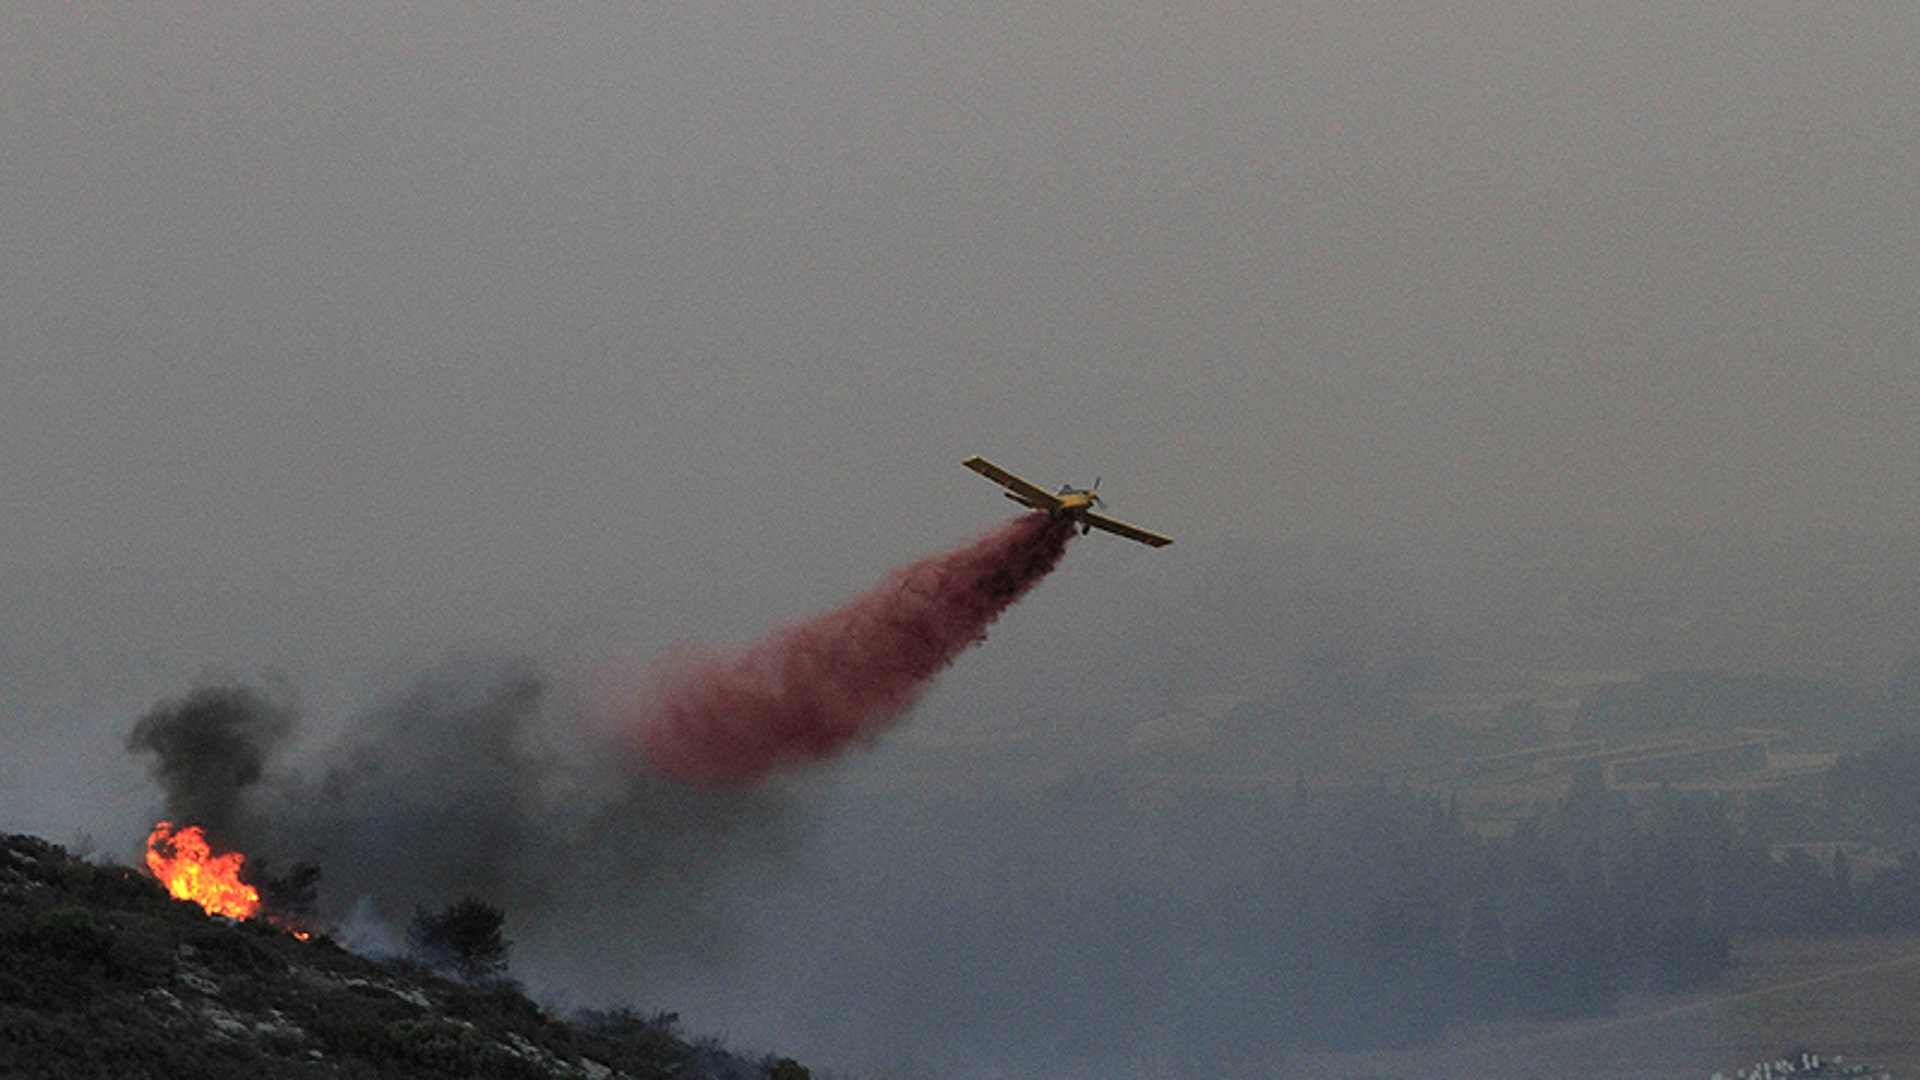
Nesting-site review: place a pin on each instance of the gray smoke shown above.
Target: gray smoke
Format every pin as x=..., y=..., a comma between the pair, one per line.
x=472, y=779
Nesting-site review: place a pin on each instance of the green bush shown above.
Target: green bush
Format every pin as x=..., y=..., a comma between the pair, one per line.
x=457, y=1049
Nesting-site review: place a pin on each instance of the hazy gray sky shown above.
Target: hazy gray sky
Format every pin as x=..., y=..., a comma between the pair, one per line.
x=335, y=334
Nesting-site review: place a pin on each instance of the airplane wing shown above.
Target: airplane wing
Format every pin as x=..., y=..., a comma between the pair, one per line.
x=1121, y=528
x=1024, y=492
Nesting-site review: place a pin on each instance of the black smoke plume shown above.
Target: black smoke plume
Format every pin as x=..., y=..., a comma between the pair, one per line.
x=475, y=779
x=210, y=745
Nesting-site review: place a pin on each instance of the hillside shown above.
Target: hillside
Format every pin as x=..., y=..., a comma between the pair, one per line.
x=102, y=974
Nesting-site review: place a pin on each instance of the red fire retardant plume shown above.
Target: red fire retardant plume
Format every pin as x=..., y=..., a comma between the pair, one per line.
x=803, y=692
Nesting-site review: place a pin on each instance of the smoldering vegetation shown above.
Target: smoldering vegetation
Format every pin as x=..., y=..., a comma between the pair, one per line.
x=474, y=779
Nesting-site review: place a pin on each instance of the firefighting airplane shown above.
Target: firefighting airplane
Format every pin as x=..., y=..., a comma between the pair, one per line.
x=1072, y=503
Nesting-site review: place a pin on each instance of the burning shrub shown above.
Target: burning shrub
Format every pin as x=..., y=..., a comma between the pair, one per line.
x=184, y=862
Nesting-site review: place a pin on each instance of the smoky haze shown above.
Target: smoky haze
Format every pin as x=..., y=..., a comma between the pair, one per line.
x=338, y=340
x=335, y=335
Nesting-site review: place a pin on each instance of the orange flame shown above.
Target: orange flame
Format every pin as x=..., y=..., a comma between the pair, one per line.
x=185, y=863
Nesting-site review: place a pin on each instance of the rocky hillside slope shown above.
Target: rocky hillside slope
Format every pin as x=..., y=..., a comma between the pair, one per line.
x=102, y=974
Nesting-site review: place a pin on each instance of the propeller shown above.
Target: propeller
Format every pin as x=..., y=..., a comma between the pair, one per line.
x=1093, y=491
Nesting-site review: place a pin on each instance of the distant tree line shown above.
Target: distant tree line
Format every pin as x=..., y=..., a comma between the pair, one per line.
x=1363, y=917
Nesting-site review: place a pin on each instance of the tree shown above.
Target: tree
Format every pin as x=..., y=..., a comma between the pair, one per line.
x=292, y=895
x=788, y=1069
x=465, y=938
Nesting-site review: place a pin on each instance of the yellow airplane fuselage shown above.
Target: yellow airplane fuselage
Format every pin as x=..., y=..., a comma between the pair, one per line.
x=1073, y=504
x=1068, y=504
